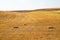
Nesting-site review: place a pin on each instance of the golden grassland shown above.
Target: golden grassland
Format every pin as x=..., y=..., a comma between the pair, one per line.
x=35, y=25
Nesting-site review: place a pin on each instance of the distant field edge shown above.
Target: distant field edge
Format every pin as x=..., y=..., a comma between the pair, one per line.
x=48, y=9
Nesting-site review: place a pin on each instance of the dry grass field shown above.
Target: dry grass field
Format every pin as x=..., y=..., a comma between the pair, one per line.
x=35, y=25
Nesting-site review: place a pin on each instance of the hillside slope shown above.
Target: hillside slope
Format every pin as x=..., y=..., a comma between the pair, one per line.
x=35, y=25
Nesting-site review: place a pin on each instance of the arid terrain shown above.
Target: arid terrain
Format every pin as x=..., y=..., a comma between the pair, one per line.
x=34, y=25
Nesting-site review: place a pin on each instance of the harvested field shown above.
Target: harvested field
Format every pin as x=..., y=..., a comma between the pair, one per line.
x=35, y=25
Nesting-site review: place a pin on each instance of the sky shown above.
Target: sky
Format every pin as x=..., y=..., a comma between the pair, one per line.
x=28, y=4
